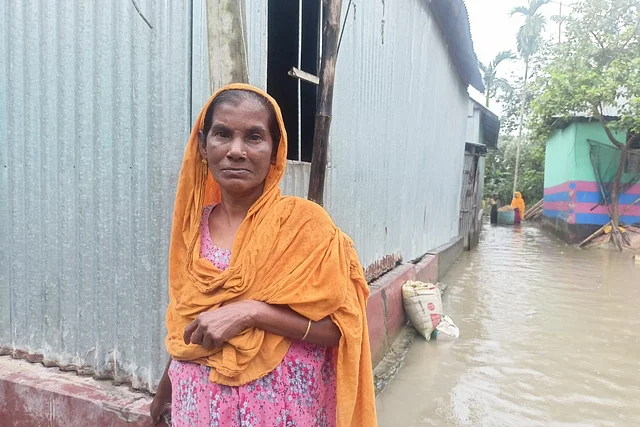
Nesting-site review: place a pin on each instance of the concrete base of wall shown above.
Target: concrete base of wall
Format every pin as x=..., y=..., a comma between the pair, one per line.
x=448, y=254
x=569, y=233
x=388, y=367
x=385, y=311
x=33, y=396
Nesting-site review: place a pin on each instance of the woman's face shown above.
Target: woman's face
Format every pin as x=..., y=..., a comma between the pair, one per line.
x=239, y=146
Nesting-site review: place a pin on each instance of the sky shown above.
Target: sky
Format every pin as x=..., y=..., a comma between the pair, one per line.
x=494, y=30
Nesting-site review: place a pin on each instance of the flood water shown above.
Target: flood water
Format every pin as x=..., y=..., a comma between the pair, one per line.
x=550, y=336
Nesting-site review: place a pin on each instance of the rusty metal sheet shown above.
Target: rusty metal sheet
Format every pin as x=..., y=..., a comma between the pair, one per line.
x=384, y=265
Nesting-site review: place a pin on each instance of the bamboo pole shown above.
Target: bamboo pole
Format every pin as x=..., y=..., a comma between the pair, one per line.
x=599, y=231
x=611, y=208
x=330, y=37
x=535, y=215
x=536, y=206
x=594, y=235
x=533, y=209
x=604, y=199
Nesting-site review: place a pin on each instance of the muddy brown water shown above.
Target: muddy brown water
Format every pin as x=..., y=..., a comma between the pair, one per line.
x=550, y=336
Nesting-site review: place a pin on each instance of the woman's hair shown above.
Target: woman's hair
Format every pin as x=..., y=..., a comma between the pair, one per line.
x=238, y=95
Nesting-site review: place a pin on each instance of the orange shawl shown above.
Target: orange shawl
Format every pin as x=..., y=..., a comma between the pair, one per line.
x=287, y=251
x=518, y=202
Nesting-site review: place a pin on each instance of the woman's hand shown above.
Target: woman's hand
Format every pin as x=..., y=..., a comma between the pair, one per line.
x=158, y=406
x=162, y=397
x=214, y=328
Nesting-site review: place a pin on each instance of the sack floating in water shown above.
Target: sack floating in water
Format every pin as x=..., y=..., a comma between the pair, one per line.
x=423, y=305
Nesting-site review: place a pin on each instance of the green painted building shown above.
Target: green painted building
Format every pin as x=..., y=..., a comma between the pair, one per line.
x=572, y=197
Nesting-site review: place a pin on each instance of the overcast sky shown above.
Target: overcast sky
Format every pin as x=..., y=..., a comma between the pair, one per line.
x=493, y=30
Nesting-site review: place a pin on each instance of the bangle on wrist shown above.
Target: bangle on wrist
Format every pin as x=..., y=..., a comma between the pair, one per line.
x=308, y=329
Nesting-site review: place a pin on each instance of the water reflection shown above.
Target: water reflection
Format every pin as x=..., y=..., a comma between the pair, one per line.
x=550, y=337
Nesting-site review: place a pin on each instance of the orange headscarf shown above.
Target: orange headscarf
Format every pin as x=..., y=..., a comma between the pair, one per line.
x=518, y=202
x=287, y=251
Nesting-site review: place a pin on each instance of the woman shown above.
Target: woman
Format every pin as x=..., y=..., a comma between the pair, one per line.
x=518, y=207
x=494, y=202
x=266, y=319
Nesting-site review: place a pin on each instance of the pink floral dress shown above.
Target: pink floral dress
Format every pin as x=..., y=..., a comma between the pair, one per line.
x=300, y=392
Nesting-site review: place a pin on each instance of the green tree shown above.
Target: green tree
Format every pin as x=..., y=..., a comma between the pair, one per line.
x=598, y=65
x=529, y=40
x=511, y=103
x=493, y=83
x=500, y=164
x=499, y=174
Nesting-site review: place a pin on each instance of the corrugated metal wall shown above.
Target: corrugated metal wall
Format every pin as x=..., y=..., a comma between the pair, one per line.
x=474, y=125
x=257, y=25
x=200, y=74
x=95, y=110
x=398, y=130
x=296, y=179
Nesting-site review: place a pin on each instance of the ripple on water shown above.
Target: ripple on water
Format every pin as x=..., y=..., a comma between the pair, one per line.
x=550, y=336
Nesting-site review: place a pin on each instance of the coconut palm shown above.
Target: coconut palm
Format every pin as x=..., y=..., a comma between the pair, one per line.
x=529, y=36
x=529, y=40
x=493, y=83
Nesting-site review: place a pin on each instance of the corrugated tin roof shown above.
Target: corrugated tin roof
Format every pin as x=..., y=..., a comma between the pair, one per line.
x=490, y=125
x=453, y=19
x=609, y=112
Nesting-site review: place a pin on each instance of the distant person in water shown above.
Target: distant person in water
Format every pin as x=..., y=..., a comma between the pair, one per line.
x=518, y=206
x=495, y=204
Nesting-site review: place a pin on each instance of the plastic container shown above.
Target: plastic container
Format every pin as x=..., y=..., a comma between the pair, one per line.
x=506, y=218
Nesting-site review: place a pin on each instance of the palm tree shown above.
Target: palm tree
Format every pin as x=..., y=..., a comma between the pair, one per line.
x=491, y=81
x=528, y=42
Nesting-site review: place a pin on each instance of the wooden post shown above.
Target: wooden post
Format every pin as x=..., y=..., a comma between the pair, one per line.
x=227, y=43
x=330, y=35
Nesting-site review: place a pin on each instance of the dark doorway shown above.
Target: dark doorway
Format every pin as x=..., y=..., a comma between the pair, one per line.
x=297, y=98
